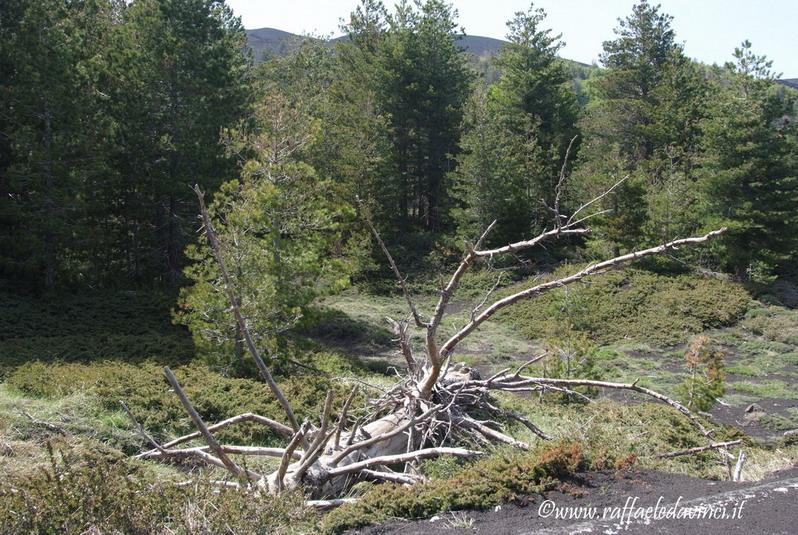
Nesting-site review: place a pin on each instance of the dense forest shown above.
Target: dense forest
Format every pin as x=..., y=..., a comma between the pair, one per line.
x=111, y=111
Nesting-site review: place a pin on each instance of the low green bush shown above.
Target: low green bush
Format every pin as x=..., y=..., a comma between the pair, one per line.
x=100, y=494
x=503, y=476
x=630, y=304
x=145, y=390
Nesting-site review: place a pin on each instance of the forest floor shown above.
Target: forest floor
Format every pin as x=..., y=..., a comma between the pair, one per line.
x=761, y=356
x=64, y=368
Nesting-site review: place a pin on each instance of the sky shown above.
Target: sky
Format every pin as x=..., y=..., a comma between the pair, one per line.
x=709, y=29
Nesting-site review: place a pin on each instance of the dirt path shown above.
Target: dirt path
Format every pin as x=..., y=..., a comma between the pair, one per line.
x=634, y=502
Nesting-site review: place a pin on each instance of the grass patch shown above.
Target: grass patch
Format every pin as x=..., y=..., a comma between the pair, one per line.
x=774, y=323
x=496, y=341
x=746, y=370
x=126, y=326
x=773, y=388
x=781, y=422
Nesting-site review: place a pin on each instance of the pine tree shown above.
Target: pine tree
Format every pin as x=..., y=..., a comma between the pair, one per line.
x=647, y=107
x=282, y=230
x=184, y=77
x=750, y=169
x=519, y=132
x=56, y=137
x=424, y=83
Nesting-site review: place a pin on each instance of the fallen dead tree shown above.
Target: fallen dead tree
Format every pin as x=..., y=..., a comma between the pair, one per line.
x=435, y=406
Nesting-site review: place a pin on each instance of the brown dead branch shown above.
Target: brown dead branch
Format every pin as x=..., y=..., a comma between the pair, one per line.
x=47, y=425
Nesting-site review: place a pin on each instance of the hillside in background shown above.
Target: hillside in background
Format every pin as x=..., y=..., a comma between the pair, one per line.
x=270, y=41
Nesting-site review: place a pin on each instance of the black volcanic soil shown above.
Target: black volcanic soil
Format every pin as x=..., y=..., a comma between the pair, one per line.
x=768, y=506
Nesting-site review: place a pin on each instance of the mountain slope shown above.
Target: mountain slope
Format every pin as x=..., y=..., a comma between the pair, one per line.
x=270, y=41
x=265, y=42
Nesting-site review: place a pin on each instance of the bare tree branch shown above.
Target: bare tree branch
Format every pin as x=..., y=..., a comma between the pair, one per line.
x=140, y=428
x=236, y=470
x=342, y=420
x=699, y=449
x=232, y=449
x=379, y=438
x=618, y=386
x=402, y=458
x=286, y=459
x=246, y=417
x=560, y=183
x=319, y=443
x=402, y=281
x=492, y=434
x=400, y=330
x=571, y=220
x=393, y=477
x=592, y=269
x=325, y=505
x=433, y=355
x=528, y=244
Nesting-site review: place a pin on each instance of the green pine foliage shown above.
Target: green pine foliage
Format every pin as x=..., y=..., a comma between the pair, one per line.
x=518, y=132
x=282, y=232
x=705, y=382
x=643, y=124
x=751, y=169
x=424, y=83
x=109, y=111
